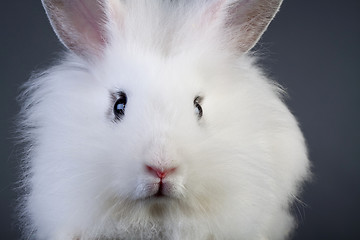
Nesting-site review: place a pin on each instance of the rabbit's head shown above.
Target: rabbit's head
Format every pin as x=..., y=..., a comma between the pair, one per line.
x=158, y=117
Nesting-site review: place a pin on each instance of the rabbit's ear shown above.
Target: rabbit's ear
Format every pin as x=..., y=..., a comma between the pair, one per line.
x=244, y=20
x=81, y=24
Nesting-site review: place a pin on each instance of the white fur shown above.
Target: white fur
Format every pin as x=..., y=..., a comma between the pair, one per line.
x=238, y=168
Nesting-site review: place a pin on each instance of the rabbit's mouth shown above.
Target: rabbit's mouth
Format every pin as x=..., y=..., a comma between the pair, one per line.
x=160, y=190
x=164, y=190
x=159, y=183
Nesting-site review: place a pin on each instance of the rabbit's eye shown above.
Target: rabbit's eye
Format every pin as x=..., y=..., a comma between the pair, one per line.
x=119, y=107
x=198, y=109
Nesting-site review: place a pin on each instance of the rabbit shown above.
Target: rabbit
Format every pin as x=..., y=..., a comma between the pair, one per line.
x=158, y=123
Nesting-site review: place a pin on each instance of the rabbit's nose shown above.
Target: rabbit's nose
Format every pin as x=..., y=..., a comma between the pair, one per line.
x=160, y=173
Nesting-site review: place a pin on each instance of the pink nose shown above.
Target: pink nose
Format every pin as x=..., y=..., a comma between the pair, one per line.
x=160, y=173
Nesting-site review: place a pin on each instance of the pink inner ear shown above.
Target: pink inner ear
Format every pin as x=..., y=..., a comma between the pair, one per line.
x=242, y=11
x=237, y=8
x=79, y=24
x=213, y=11
x=244, y=21
x=88, y=18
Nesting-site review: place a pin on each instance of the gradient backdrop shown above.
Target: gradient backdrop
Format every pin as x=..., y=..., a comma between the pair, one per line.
x=312, y=48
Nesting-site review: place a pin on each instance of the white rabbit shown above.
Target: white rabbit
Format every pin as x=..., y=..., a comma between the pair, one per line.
x=157, y=124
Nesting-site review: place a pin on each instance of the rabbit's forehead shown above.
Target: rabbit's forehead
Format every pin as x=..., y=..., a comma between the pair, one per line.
x=151, y=75
x=162, y=89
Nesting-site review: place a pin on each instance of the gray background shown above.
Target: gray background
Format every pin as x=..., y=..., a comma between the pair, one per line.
x=312, y=48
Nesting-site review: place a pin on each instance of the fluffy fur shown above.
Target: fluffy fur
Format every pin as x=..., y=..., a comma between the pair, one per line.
x=238, y=168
